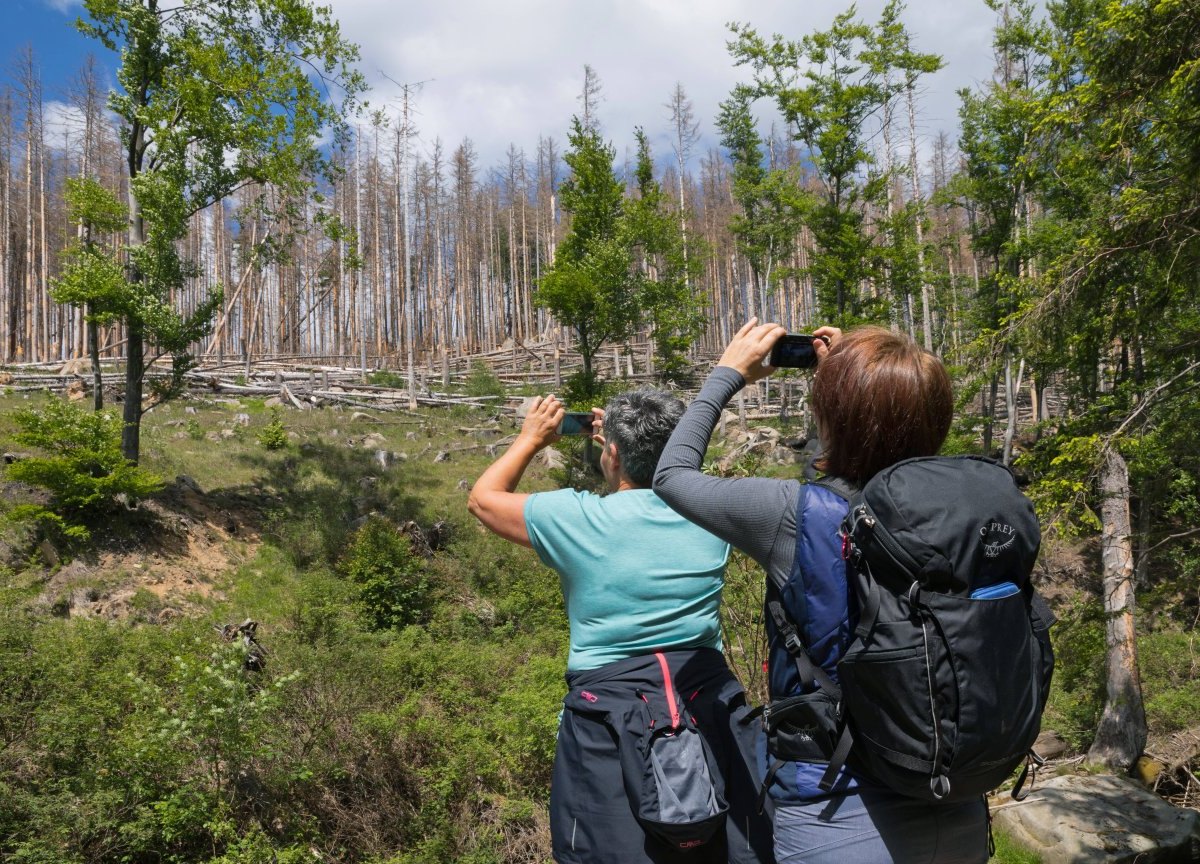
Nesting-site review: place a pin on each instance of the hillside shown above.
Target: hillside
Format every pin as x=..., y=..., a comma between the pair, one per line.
x=399, y=698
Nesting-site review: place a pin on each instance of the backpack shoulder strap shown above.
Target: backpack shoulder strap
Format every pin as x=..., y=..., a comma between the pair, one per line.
x=839, y=486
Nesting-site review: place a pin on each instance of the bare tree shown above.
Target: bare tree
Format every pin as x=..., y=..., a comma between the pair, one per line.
x=590, y=97
x=685, y=131
x=1122, y=732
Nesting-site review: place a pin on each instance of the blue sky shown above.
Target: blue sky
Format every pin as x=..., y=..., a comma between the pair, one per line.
x=58, y=47
x=505, y=73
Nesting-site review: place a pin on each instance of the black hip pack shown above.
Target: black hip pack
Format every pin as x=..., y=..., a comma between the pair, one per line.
x=941, y=690
x=670, y=774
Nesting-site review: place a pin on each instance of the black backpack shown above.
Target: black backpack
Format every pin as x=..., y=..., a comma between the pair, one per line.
x=943, y=684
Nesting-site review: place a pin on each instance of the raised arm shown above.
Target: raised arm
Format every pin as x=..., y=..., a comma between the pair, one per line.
x=493, y=500
x=745, y=512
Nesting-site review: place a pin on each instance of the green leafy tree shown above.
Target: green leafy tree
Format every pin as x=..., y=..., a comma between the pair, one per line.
x=667, y=265
x=827, y=86
x=93, y=278
x=902, y=226
x=1114, y=309
x=772, y=204
x=592, y=287
x=1000, y=180
x=214, y=96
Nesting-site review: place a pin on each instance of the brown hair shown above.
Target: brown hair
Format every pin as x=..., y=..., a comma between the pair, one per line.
x=879, y=398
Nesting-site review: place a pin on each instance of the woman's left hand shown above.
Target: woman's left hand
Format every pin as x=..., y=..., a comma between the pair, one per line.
x=750, y=347
x=540, y=427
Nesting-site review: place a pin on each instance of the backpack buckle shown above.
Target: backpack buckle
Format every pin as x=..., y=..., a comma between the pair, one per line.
x=791, y=641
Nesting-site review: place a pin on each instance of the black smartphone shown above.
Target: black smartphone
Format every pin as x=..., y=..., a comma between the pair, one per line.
x=576, y=423
x=794, y=351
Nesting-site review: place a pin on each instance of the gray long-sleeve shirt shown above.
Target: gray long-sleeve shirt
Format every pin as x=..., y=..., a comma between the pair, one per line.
x=754, y=514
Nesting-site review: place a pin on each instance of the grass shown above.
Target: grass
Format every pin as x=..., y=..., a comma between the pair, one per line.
x=1009, y=852
x=386, y=740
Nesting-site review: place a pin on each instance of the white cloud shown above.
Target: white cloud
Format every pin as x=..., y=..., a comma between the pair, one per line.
x=63, y=5
x=505, y=73
x=63, y=124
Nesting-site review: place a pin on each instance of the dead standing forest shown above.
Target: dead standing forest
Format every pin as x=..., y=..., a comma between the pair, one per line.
x=1048, y=253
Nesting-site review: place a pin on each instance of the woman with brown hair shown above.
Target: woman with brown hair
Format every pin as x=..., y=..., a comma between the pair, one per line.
x=878, y=398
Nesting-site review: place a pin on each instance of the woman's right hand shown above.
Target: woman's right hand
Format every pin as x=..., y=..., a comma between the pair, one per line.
x=830, y=336
x=542, y=421
x=748, y=349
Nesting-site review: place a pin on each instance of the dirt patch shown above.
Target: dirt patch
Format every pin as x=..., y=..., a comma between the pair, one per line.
x=163, y=562
x=1066, y=570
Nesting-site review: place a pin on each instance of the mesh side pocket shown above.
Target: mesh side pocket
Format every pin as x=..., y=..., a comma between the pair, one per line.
x=686, y=792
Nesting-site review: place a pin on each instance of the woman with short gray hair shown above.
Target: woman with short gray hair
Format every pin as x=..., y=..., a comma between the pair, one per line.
x=642, y=588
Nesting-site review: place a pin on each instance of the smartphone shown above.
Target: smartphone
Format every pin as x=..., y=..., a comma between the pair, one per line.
x=576, y=423
x=794, y=351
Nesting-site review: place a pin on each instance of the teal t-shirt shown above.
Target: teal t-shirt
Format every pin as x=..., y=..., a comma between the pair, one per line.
x=636, y=576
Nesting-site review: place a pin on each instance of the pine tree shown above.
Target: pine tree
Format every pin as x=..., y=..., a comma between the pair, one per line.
x=591, y=287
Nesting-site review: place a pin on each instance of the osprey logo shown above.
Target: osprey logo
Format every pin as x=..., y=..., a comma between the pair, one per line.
x=997, y=536
x=805, y=733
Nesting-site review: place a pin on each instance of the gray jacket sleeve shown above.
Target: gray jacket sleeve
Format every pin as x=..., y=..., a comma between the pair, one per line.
x=754, y=514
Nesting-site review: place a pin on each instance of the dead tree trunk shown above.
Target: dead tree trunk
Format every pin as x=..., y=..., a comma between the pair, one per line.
x=1121, y=734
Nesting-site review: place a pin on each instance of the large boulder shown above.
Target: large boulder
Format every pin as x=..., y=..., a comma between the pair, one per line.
x=1100, y=819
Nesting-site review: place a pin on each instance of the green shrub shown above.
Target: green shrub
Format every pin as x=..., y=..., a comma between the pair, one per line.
x=392, y=587
x=273, y=436
x=1169, y=662
x=387, y=378
x=482, y=381
x=194, y=430
x=83, y=468
x=1077, y=694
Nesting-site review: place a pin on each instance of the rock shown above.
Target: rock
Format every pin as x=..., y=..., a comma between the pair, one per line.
x=464, y=486
x=399, y=456
x=180, y=436
x=213, y=436
x=6, y=378
x=410, y=436
x=76, y=391
x=242, y=419
x=1100, y=819
x=171, y=423
x=189, y=410
x=1050, y=745
x=786, y=456
x=226, y=434
x=374, y=440
x=552, y=458
x=273, y=402
x=362, y=415
x=383, y=458
x=442, y=456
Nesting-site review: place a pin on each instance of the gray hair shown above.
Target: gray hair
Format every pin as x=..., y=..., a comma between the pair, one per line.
x=639, y=423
